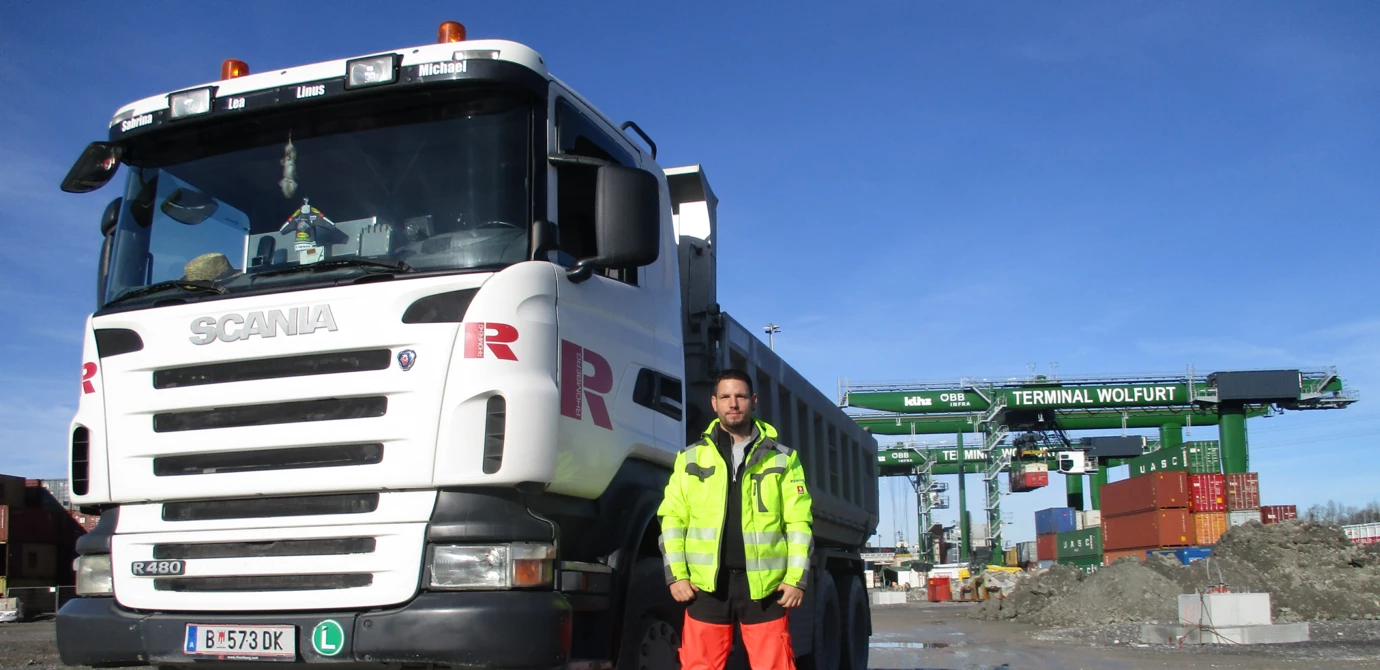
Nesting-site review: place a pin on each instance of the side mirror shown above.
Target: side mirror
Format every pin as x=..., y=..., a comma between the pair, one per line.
x=95, y=167
x=189, y=207
x=627, y=221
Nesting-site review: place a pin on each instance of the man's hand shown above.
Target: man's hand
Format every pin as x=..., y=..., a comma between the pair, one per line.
x=683, y=591
x=790, y=596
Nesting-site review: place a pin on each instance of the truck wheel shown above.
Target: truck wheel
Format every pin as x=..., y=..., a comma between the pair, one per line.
x=826, y=651
x=857, y=623
x=651, y=621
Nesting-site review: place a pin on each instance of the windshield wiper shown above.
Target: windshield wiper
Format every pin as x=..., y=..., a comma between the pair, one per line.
x=337, y=263
x=184, y=284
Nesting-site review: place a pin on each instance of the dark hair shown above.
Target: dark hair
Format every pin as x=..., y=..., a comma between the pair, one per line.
x=733, y=373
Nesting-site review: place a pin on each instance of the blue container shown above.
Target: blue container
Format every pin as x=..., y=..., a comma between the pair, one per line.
x=1190, y=554
x=1167, y=553
x=1054, y=520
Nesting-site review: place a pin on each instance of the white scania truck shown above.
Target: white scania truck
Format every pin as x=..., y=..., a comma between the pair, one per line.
x=390, y=361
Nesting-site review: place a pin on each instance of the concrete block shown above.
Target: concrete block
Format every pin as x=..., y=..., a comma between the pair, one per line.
x=1218, y=610
x=1273, y=634
x=888, y=597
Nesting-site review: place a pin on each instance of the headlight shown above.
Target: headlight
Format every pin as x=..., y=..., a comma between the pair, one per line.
x=189, y=103
x=93, y=576
x=371, y=71
x=504, y=566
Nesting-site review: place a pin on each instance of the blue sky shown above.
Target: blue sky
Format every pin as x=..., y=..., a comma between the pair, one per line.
x=912, y=190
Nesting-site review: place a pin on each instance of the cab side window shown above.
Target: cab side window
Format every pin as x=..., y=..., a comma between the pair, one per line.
x=580, y=136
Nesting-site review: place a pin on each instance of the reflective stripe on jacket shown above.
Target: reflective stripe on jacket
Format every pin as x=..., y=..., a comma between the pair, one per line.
x=776, y=514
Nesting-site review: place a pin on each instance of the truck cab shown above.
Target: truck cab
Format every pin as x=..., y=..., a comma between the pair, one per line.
x=389, y=365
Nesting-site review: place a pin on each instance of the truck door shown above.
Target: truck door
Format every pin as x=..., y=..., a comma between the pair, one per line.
x=606, y=324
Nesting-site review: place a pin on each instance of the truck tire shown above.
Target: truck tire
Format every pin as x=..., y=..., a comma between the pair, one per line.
x=856, y=625
x=826, y=651
x=651, y=621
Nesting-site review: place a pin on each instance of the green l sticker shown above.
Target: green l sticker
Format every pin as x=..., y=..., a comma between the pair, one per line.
x=328, y=638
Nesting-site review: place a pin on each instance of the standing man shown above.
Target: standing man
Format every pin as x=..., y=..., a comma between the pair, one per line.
x=735, y=535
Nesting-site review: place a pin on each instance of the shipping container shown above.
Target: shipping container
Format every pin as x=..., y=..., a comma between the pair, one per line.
x=1363, y=533
x=1190, y=554
x=1028, y=481
x=1208, y=493
x=1209, y=526
x=1054, y=520
x=12, y=491
x=1012, y=558
x=1087, y=565
x=1027, y=553
x=1109, y=557
x=1278, y=513
x=1091, y=518
x=4, y=526
x=1242, y=517
x=1243, y=491
x=1199, y=458
x=1161, y=490
x=86, y=521
x=1204, y=457
x=1046, y=547
x=1147, y=530
x=33, y=560
x=1079, y=543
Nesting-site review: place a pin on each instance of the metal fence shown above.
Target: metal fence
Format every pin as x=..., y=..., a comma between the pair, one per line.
x=39, y=601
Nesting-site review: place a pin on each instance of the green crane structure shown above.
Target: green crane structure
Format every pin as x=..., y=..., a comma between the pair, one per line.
x=1053, y=406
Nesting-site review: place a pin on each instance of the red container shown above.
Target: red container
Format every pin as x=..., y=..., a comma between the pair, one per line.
x=1046, y=547
x=86, y=521
x=1028, y=481
x=1209, y=526
x=1208, y=493
x=1243, y=491
x=4, y=524
x=939, y=590
x=1160, y=490
x=1148, y=530
x=1110, y=557
x=1278, y=513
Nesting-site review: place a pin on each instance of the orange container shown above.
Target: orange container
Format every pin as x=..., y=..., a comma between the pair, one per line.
x=1161, y=490
x=1111, y=556
x=939, y=590
x=1148, y=530
x=1209, y=526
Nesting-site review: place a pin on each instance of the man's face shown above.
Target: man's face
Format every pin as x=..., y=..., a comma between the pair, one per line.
x=733, y=403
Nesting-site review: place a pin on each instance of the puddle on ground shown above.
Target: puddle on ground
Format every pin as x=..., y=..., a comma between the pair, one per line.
x=908, y=645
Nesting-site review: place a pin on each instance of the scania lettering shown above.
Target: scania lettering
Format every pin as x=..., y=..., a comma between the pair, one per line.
x=389, y=367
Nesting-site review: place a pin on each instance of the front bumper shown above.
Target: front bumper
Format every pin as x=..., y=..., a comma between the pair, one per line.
x=503, y=629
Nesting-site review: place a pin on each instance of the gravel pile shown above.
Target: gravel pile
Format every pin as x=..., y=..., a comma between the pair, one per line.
x=1311, y=571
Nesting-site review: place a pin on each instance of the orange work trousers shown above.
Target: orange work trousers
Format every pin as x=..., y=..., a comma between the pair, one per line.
x=707, y=636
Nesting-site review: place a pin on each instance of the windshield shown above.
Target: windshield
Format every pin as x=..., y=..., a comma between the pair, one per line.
x=422, y=182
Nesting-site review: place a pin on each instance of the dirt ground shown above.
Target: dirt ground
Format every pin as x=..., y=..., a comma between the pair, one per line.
x=926, y=636
x=930, y=636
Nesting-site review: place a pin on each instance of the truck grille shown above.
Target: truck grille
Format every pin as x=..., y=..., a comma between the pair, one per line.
x=324, y=409
x=257, y=508
x=273, y=368
x=257, y=460
x=262, y=583
x=327, y=547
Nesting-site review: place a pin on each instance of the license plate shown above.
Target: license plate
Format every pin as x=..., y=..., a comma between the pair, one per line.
x=157, y=568
x=242, y=642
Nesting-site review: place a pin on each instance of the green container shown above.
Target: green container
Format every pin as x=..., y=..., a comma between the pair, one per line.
x=1173, y=459
x=1086, y=543
x=1087, y=565
x=1204, y=457
x=1198, y=458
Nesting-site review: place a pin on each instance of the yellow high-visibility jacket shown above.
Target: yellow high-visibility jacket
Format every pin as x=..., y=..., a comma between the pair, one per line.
x=776, y=514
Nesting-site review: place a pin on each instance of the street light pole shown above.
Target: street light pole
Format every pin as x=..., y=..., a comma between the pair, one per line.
x=771, y=330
